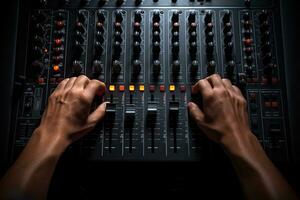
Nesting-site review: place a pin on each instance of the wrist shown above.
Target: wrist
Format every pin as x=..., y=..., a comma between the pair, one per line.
x=52, y=143
x=241, y=145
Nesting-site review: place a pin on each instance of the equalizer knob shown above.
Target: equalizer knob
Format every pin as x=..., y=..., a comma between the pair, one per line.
x=156, y=67
x=97, y=68
x=101, y=17
x=193, y=48
x=118, y=37
x=156, y=16
x=81, y=17
x=137, y=36
x=156, y=36
x=211, y=67
x=192, y=17
x=137, y=48
x=226, y=17
x=176, y=66
x=119, y=16
x=175, y=16
x=194, y=67
x=77, y=67
x=138, y=16
x=137, y=67
x=116, y=67
x=100, y=37
x=208, y=17
x=120, y=2
x=156, y=48
x=37, y=66
x=175, y=48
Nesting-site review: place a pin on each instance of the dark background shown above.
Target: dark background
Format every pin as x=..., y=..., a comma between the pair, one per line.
x=84, y=180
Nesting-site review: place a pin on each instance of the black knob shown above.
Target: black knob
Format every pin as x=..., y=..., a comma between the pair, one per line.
x=193, y=37
x=156, y=67
x=226, y=17
x=137, y=26
x=118, y=27
x=175, y=48
x=227, y=27
x=193, y=48
x=194, y=67
x=97, y=67
x=156, y=16
x=81, y=17
x=156, y=26
x=137, y=48
x=208, y=17
x=100, y=37
x=175, y=26
x=101, y=16
x=37, y=52
x=120, y=2
x=100, y=26
x=209, y=37
x=77, y=67
x=79, y=37
x=37, y=66
x=119, y=16
x=137, y=67
x=137, y=36
x=98, y=49
x=79, y=27
x=118, y=37
x=138, y=16
x=156, y=48
x=192, y=17
x=263, y=16
x=116, y=67
x=156, y=36
x=209, y=28
x=175, y=36
x=228, y=37
x=176, y=66
x=175, y=16
x=138, y=2
x=211, y=67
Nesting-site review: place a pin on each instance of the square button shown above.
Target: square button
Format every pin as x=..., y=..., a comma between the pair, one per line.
x=172, y=88
x=131, y=88
x=142, y=88
x=121, y=88
x=112, y=88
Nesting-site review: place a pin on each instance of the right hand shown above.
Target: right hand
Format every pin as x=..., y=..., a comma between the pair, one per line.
x=224, y=117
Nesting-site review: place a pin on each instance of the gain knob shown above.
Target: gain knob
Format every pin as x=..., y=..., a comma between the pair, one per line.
x=116, y=67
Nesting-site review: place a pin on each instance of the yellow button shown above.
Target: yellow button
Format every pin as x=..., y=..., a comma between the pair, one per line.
x=112, y=88
x=131, y=88
x=172, y=88
x=142, y=88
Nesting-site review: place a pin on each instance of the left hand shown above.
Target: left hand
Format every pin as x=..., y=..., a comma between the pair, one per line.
x=67, y=116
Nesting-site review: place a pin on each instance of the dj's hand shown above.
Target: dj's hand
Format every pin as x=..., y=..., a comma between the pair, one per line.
x=224, y=117
x=67, y=116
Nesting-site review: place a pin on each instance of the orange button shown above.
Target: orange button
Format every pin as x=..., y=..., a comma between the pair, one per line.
x=56, y=68
x=121, y=88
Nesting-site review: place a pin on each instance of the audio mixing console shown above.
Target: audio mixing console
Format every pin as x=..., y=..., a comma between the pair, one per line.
x=149, y=53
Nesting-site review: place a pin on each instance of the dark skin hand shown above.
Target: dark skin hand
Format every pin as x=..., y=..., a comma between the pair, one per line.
x=224, y=119
x=66, y=119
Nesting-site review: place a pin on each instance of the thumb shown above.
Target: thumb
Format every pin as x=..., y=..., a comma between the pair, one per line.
x=196, y=113
x=98, y=114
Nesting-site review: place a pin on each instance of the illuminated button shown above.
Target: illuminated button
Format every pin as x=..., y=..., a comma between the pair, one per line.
x=58, y=42
x=182, y=88
x=152, y=88
x=131, y=88
x=142, y=88
x=274, y=104
x=121, y=88
x=56, y=68
x=172, y=88
x=112, y=88
x=162, y=88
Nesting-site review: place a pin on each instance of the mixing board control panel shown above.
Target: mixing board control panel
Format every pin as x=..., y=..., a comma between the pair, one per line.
x=149, y=53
